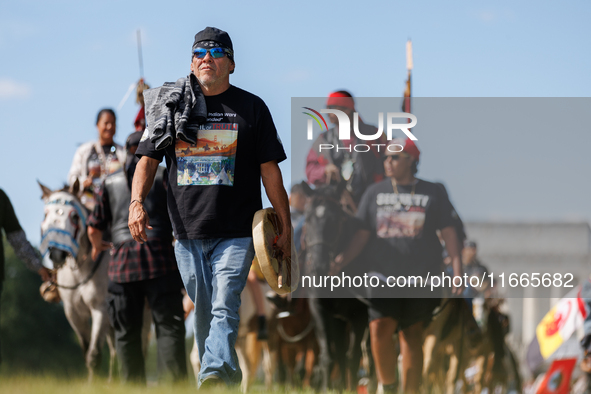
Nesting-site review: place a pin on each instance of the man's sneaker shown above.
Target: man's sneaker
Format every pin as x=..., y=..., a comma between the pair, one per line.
x=211, y=381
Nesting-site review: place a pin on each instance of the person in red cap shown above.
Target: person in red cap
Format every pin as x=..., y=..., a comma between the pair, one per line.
x=402, y=215
x=358, y=169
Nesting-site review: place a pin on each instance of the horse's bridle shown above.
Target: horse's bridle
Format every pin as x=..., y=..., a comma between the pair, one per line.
x=97, y=263
x=62, y=236
x=65, y=240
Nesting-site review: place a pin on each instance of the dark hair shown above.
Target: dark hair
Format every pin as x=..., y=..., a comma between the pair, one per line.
x=301, y=188
x=468, y=243
x=105, y=111
x=414, y=167
x=297, y=188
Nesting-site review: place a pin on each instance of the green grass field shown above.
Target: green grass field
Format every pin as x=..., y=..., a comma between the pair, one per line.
x=38, y=384
x=28, y=382
x=49, y=385
x=67, y=382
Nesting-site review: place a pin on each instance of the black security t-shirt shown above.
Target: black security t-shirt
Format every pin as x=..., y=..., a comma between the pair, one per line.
x=405, y=223
x=215, y=184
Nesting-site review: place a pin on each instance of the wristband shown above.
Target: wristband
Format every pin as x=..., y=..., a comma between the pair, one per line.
x=142, y=204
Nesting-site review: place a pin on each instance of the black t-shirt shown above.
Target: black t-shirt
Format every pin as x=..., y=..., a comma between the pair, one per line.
x=215, y=184
x=407, y=224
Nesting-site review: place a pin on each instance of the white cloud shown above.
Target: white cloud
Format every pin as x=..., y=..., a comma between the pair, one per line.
x=10, y=89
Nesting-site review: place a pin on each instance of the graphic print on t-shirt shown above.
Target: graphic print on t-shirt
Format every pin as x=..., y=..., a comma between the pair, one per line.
x=400, y=215
x=212, y=159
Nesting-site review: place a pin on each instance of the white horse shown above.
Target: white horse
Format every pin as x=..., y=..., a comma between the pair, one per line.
x=82, y=282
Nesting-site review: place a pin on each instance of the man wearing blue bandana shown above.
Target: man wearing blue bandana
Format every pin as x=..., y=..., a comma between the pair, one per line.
x=218, y=141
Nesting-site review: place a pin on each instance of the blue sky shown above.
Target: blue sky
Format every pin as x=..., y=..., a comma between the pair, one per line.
x=61, y=61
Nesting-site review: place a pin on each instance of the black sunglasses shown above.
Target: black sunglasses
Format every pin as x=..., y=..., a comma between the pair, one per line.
x=215, y=53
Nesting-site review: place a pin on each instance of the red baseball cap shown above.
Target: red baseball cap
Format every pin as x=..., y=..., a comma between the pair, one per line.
x=409, y=147
x=340, y=99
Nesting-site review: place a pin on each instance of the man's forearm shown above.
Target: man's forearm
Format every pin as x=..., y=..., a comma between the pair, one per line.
x=143, y=178
x=356, y=245
x=23, y=249
x=452, y=246
x=352, y=250
x=95, y=236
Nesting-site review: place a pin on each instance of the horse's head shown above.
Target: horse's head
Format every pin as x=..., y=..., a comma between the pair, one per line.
x=325, y=223
x=63, y=229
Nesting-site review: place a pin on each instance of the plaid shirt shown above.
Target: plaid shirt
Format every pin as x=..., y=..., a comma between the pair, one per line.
x=130, y=260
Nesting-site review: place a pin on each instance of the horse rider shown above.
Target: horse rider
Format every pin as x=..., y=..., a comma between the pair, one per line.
x=403, y=214
x=94, y=160
x=358, y=169
x=212, y=215
x=140, y=272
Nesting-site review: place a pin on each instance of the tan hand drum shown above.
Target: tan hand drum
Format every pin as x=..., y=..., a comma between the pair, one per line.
x=282, y=274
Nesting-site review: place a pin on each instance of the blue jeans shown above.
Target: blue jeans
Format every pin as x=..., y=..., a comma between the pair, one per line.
x=214, y=272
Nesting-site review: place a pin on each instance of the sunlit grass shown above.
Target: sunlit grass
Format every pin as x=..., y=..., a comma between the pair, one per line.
x=49, y=385
x=38, y=384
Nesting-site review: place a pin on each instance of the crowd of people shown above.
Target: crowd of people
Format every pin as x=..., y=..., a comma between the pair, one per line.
x=407, y=217
x=129, y=197
x=138, y=206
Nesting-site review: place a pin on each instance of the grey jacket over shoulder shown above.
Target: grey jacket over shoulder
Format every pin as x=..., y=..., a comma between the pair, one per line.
x=169, y=108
